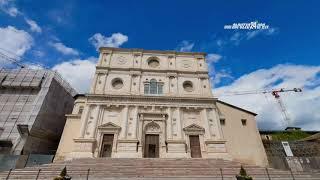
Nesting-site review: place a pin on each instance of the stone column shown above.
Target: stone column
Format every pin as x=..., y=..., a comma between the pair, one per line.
x=95, y=121
x=84, y=119
x=139, y=83
x=108, y=59
x=130, y=82
x=167, y=85
x=201, y=86
x=124, y=122
x=206, y=123
x=93, y=84
x=104, y=83
x=218, y=129
x=179, y=123
x=169, y=123
x=135, y=122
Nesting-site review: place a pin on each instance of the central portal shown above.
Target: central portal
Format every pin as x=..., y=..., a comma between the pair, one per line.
x=195, y=147
x=106, y=148
x=151, y=149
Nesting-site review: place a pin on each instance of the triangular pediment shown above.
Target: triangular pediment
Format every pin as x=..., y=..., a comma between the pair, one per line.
x=193, y=127
x=109, y=125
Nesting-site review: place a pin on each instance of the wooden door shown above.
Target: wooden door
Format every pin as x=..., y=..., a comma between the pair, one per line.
x=151, y=149
x=195, y=147
x=106, y=147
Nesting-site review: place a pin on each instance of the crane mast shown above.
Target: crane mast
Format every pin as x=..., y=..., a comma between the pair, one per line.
x=275, y=93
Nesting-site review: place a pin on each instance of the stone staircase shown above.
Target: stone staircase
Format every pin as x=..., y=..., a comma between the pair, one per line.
x=94, y=169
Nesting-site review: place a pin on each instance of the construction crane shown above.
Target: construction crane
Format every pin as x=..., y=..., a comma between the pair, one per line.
x=275, y=93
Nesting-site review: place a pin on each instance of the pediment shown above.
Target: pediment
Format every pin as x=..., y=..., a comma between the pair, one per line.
x=194, y=128
x=109, y=125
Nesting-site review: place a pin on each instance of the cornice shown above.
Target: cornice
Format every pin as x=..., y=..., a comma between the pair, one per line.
x=140, y=97
x=106, y=69
x=73, y=116
x=142, y=51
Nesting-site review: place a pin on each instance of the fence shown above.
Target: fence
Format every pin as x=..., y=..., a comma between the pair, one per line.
x=223, y=174
x=20, y=161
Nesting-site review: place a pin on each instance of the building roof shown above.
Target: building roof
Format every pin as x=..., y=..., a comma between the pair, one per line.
x=31, y=79
x=236, y=107
x=169, y=52
x=21, y=78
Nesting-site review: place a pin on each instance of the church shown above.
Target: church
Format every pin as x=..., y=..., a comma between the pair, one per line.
x=157, y=104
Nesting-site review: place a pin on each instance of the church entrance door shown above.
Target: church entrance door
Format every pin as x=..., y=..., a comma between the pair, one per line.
x=107, y=142
x=151, y=149
x=195, y=147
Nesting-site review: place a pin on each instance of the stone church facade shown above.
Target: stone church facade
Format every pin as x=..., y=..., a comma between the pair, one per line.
x=157, y=104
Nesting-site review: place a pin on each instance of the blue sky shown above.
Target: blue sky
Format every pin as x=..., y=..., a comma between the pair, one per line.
x=63, y=35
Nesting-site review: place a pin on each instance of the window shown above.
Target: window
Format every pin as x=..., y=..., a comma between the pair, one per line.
x=222, y=122
x=80, y=110
x=244, y=122
x=188, y=86
x=153, y=62
x=153, y=87
x=117, y=83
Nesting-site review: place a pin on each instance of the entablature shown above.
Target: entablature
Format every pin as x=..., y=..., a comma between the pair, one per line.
x=151, y=101
x=105, y=69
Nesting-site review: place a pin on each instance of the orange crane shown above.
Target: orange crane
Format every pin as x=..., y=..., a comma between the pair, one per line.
x=275, y=93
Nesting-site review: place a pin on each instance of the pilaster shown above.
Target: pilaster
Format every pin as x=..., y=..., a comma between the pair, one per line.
x=124, y=122
x=84, y=119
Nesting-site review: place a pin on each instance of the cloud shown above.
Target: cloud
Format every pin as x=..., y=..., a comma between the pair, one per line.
x=237, y=37
x=185, y=46
x=64, y=49
x=115, y=40
x=214, y=58
x=15, y=41
x=280, y=76
x=33, y=25
x=216, y=76
x=267, y=32
x=8, y=7
x=79, y=73
x=221, y=74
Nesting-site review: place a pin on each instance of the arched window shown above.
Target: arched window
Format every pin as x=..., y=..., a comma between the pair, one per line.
x=153, y=87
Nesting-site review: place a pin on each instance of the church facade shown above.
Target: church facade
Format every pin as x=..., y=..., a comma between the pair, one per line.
x=157, y=104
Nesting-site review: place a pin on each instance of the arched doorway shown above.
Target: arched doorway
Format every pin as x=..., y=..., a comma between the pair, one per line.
x=151, y=143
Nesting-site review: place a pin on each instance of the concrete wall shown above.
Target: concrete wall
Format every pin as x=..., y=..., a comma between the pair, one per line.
x=38, y=99
x=306, y=155
x=243, y=141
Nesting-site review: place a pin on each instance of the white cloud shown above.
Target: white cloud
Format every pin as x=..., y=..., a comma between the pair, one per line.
x=185, y=46
x=115, y=40
x=33, y=26
x=216, y=76
x=268, y=32
x=303, y=108
x=64, y=49
x=8, y=7
x=238, y=37
x=214, y=58
x=79, y=73
x=15, y=41
x=38, y=53
x=219, y=75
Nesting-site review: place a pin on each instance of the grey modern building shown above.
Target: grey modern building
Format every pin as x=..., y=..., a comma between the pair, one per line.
x=33, y=104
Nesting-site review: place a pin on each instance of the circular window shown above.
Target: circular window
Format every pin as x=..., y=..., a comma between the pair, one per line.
x=117, y=83
x=153, y=63
x=187, y=86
